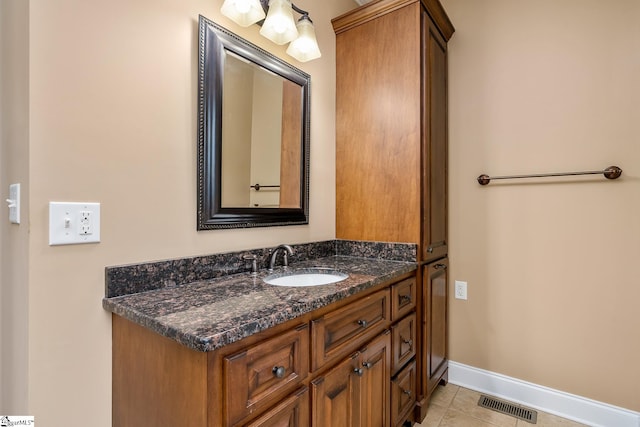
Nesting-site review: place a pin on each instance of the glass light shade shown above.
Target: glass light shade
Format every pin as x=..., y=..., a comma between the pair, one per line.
x=279, y=26
x=243, y=12
x=305, y=47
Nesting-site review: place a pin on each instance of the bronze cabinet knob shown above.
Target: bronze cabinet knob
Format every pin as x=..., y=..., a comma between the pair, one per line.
x=278, y=371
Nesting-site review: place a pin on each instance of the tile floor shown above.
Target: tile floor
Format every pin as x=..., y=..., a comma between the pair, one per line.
x=454, y=406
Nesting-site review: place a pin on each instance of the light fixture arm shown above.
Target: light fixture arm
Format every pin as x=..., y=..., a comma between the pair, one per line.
x=265, y=6
x=300, y=11
x=278, y=25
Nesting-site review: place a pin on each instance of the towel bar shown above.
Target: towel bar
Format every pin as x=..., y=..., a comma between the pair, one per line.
x=612, y=172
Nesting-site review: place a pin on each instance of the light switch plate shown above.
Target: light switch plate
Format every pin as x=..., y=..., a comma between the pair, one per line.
x=73, y=223
x=14, y=203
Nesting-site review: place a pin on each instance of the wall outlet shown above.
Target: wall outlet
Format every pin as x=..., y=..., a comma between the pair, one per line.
x=85, y=223
x=460, y=290
x=74, y=223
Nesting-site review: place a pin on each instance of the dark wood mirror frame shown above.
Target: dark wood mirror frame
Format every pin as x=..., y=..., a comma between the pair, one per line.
x=213, y=42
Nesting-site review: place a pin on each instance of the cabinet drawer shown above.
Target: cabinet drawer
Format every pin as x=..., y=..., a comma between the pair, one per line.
x=291, y=412
x=404, y=341
x=403, y=390
x=342, y=331
x=403, y=298
x=264, y=373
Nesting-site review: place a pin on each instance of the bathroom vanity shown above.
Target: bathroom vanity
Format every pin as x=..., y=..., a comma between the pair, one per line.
x=203, y=342
x=233, y=350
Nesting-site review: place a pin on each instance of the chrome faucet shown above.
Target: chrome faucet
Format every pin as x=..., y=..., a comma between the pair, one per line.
x=287, y=250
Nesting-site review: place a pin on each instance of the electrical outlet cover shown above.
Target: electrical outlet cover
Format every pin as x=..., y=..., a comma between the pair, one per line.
x=460, y=289
x=74, y=223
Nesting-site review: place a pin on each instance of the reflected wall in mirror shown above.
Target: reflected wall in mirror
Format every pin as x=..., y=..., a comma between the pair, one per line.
x=261, y=131
x=253, y=135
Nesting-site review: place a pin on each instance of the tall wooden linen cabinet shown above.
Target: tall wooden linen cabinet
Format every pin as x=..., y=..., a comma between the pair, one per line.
x=391, y=151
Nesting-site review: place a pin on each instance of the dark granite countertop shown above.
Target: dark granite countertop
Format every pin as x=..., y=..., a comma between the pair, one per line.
x=206, y=315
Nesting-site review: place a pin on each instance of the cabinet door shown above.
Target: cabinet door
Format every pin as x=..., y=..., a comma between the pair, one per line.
x=334, y=396
x=374, y=392
x=435, y=332
x=292, y=412
x=378, y=125
x=434, y=149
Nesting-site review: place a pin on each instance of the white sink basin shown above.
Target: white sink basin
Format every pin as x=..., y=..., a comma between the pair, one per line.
x=306, y=277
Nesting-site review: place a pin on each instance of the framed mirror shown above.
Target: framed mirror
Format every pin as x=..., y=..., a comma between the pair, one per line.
x=253, y=134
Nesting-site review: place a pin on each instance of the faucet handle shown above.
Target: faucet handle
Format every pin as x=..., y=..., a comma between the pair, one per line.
x=254, y=263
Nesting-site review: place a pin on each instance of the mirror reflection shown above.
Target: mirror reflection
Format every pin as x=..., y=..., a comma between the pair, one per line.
x=261, y=128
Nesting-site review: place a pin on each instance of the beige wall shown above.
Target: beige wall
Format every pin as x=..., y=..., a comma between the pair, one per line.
x=112, y=111
x=535, y=85
x=267, y=134
x=14, y=168
x=552, y=265
x=237, y=112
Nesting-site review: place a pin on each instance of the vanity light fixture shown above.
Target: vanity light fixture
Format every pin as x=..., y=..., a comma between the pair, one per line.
x=243, y=12
x=276, y=19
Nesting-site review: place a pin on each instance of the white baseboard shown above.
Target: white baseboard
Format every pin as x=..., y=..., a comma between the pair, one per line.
x=580, y=409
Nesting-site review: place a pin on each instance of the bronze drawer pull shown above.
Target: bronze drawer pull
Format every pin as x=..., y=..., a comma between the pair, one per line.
x=430, y=250
x=405, y=299
x=278, y=371
x=407, y=392
x=439, y=266
x=358, y=371
x=363, y=323
x=409, y=342
x=367, y=365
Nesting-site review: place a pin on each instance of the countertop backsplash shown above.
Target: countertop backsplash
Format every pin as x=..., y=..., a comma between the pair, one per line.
x=148, y=276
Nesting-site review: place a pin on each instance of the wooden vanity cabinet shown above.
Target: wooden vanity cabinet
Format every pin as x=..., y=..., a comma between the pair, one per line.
x=336, y=366
x=155, y=380
x=391, y=148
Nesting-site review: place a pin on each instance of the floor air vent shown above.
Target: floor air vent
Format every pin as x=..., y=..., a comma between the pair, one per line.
x=508, y=408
